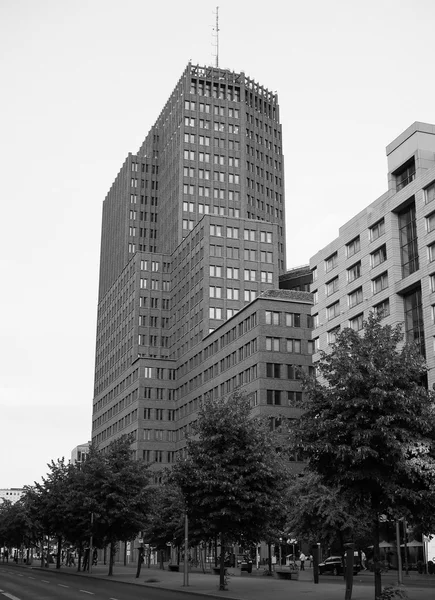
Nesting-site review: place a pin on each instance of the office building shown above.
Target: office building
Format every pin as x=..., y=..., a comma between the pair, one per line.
x=384, y=258
x=192, y=249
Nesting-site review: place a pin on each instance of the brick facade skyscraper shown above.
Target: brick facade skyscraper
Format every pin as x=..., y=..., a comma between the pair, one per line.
x=193, y=243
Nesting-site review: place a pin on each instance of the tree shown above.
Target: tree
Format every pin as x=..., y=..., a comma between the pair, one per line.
x=367, y=426
x=166, y=517
x=325, y=514
x=117, y=493
x=232, y=479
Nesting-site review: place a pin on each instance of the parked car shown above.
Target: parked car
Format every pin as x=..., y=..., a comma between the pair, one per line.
x=334, y=565
x=246, y=564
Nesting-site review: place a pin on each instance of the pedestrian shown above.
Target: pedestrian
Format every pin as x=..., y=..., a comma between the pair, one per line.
x=95, y=557
x=363, y=560
x=6, y=555
x=310, y=558
x=302, y=558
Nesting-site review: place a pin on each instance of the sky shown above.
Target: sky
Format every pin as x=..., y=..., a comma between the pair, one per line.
x=82, y=83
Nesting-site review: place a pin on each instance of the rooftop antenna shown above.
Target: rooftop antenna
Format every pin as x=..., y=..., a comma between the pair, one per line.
x=216, y=29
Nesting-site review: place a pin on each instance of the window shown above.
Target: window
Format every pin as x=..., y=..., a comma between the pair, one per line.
x=332, y=286
x=431, y=252
x=215, y=271
x=331, y=262
x=250, y=254
x=272, y=317
x=429, y=193
x=232, y=293
x=273, y=370
x=233, y=232
x=405, y=175
x=232, y=273
x=250, y=295
x=333, y=311
x=332, y=335
x=272, y=344
x=266, y=257
x=414, y=330
x=408, y=240
x=250, y=274
x=294, y=346
x=266, y=277
x=379, y=256
x=380, y=283
x=432, y=282
x=383, y=308
x=293, y=372
x=356, y=323
x=216, y=230
x=215, y=292
x=249, y=234
x=353, y=247
x=266, y=236
x=355, y=298
x=292, y=319
x=377, y=230
x=430, y=222
x=215, y=313
x=274, y=397
x=354, y=272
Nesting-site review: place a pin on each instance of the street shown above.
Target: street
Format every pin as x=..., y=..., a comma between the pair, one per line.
x=24, y=584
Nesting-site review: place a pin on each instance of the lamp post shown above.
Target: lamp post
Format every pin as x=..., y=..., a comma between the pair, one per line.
x=186, y=549
x=90, y=545
x=280, y=552
x=399, y=557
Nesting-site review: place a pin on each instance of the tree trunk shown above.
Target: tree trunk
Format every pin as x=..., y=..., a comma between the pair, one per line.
x=215, y=552
x=112, y=552
x=42, y=550
x=139, y=562
x=269, y=556
x=377, y=558
x=59, y=551
x=222, y=565
x=125, y=554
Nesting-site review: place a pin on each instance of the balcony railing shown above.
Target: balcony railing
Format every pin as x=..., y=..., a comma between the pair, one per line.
x=404, y=182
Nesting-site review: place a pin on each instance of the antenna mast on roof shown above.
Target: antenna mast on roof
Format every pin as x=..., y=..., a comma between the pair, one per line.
x=216, y=29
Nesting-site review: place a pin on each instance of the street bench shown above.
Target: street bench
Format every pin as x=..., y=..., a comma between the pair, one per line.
x=287, y=574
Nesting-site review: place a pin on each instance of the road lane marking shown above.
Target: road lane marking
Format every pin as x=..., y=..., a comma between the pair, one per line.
x=61, y=585
x=45, y=581
x=11, y=596
x=30, y=577
x=86, y=592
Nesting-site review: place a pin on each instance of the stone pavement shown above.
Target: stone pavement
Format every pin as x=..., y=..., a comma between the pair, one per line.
x=255, y=586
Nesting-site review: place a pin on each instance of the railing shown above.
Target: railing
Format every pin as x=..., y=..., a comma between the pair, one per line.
x=404, y=182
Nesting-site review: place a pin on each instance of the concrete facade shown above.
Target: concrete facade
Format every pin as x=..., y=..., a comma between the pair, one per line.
x=384, y=258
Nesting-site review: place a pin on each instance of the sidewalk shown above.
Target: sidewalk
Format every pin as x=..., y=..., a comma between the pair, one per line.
x=247, y=587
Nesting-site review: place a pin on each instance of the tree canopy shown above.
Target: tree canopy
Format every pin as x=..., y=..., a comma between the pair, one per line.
x=232, y=479
x=367, y=425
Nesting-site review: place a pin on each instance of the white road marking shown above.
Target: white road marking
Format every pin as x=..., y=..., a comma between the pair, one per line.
x=45, y=581
x=86, y=592
x=11, y=596
x=30, y=577
x=61, y=585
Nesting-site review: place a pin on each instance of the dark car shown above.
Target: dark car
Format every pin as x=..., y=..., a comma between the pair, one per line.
x=334, y=565
x=246, y=564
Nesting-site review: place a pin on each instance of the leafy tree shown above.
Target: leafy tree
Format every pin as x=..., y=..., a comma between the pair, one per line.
x=320, y=513
x=117, y=491
x=367, y=427
x=232, y=478
x=166, y=516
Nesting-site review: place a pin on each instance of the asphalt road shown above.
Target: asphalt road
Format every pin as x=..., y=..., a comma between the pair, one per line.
x=36, y=585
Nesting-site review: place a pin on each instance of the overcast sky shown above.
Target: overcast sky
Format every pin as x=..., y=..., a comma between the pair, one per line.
x=83, y=81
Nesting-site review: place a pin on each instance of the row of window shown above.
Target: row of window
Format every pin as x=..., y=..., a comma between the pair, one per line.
x=248, y=274
x=248, y=234
x=205, y=156
x=356, y=323
x=379, y=283
x=205, y=124
x=218, y=110
x=145, y=168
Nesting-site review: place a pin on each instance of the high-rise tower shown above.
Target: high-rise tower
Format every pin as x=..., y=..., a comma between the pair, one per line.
x=193, y=237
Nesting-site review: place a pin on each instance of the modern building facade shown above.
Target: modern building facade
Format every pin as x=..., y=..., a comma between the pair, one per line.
x=11, y=494
x=384, y=258
x=80, y=453
x=193, y=246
